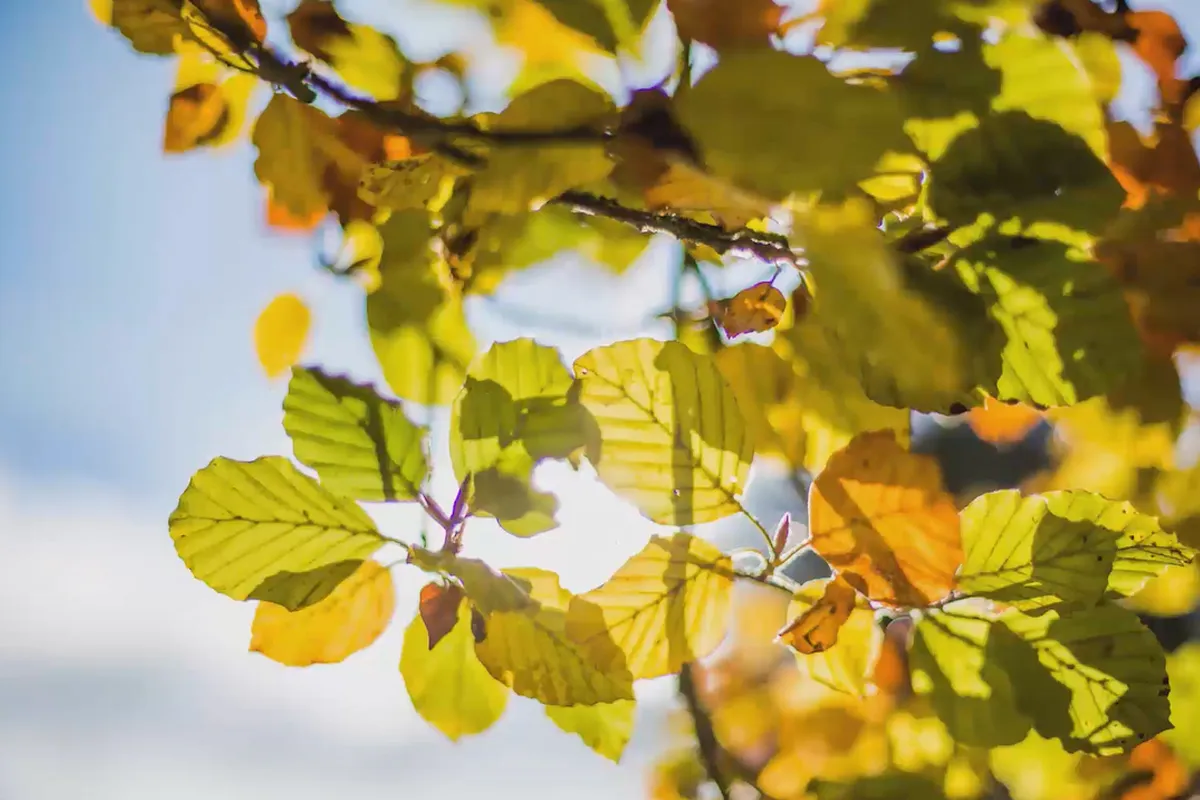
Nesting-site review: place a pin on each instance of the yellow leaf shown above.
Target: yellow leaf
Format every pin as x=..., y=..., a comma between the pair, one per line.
x=816, y=630
x=755, y=309
x=365, y=59
x=1173, y=593
x=671, y=436
x=881, y=517
x=666, y=606
x=280, y=333
x=605, y=727
x=447, y=684
x=760, y=381
x=350, y=619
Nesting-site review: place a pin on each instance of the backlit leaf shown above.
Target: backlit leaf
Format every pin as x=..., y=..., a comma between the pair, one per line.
x=151, y=26
x=605, y=727
x=816, y=630
x=360, y=444
x=514, y=411
x=350, y=619
x=666, y=606
x=1183, y=667
x=768, y=143
x=523, y=639
x=1067, y=334
x=438, y=609
x=1096, y=680
x=1003, y=423
x=881, y=517
x=417, y=325
x=239, y=523
x=280, y=333
x=364, y=58
x=672, y=439
x=1062, y=547
x=447, y=684
x=1172, y=594
x=754, y=309
x=971, y=693
x=611, y=23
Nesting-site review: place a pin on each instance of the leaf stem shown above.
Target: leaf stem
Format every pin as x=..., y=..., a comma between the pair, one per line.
x=792, y=552
x=766, y=534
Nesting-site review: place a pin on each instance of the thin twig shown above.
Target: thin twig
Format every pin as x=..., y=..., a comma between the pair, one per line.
x=706, y=738
x=772, y=248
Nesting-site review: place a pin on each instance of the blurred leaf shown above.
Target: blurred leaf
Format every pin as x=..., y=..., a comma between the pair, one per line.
x=727, y=24
x=666, y=606
x=281, y=333
x=1183, y=667
x=761, y=381
x=364, y=58
x=524, y=641
x=417, y=325
x=447, y=684
x=409, y=183
x=1003, y=423
x=842, y=668
x=605, y=727
x=157, y=27
x=208, y=105
x=1063, y=547
x=514, y=411
x=816, y=630
x=350, y=619
x=751, y=119
x=1173, y=593
x=1067, y=335
x=239, y=523
x=754, y=309
x=1096, y=680
x=519, y=177
x=360, y=444
x=611, y=23
x=881, y=517
x=672, y=439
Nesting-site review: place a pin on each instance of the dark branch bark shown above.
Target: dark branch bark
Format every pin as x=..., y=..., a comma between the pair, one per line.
x=706, y=740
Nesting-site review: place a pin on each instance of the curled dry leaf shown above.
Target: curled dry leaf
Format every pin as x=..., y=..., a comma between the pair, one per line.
x=439, y=609
x=816, y=630
x=280, y=333
x=755, y=309
x=882, y=518
x=348, y=620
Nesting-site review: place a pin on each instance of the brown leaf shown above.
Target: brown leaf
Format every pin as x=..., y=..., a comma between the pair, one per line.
x=197, y=114
x=439, y=609
x=237, y=17
x=315, y=22
x=752, y=310
x=816, y=630
x=727, y=24
x=881, y=517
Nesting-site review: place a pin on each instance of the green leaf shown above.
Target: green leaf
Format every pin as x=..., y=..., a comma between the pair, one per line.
x=417, y=327
x=666, y=606
x=1030, y=173
x=608, y=22
x=605, y=727
x=290, y=138
x=1096, y=680
x=515, y=410
x=447, y=684
x=972, y=695
x=1061, y=547
x=360, y=444
x=523, y=640
x=868, y=321
x=753, y=119
x=518, y=178
x=672, y=439
x=239, y=523
x=1066, y=330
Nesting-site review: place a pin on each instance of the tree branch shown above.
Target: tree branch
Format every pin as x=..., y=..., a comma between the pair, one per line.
x=773, y=248
x=706, y=739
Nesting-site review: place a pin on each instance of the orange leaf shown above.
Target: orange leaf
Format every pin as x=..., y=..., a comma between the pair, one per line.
x=439, y=610
x=1003, y=423
x=348, y=620
x=280, y=218
x=726, y=24
x=881, y=517
x=235, y=16
x=816, y=630
x=1159, y=44
x=280, y=333
x=752, y=310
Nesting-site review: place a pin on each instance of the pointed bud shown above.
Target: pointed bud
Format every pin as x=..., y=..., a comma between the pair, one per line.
x=782, y=532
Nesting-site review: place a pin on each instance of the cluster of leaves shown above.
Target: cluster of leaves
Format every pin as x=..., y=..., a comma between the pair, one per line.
x=972, y=232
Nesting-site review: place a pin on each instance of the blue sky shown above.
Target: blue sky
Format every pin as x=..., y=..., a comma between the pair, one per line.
x=129, y=284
